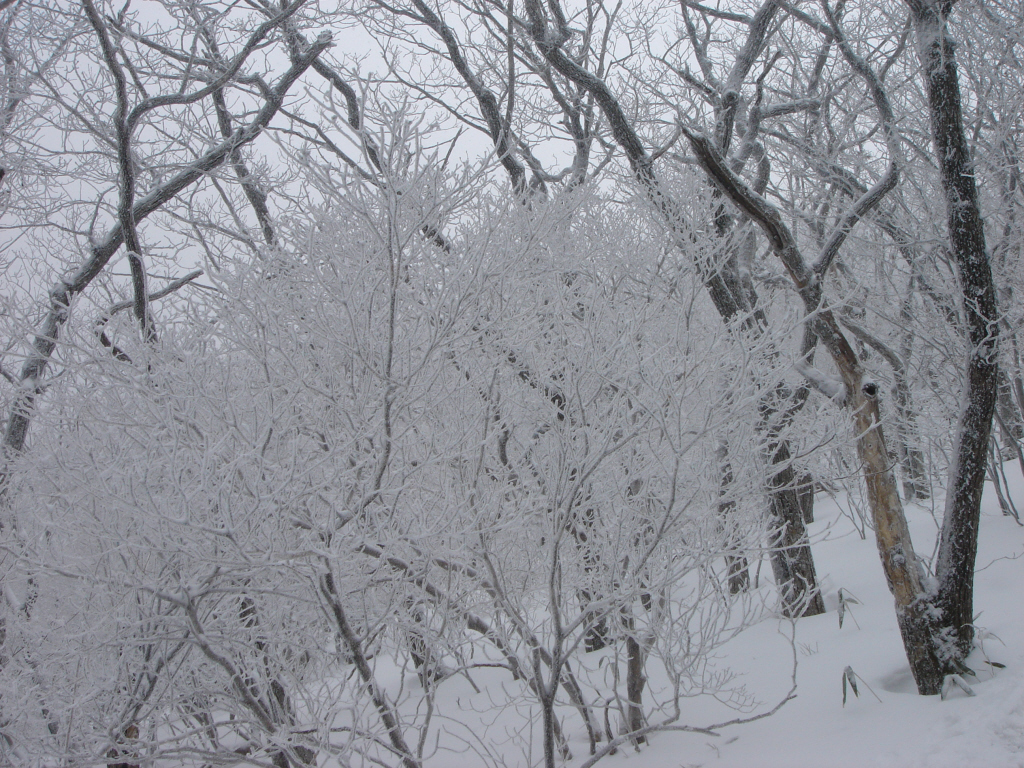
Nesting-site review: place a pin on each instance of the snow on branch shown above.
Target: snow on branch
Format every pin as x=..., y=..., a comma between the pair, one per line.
x=828, y=386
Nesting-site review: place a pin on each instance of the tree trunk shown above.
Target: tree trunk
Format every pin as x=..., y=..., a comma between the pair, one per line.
x=899, y=562
x=731, y=300
x=893, y=538
x=1010, y=423
x=792, y=562
x=959, y=542
x=635, y=682
x=912, y=464
x=735, y=561
x=805, y=493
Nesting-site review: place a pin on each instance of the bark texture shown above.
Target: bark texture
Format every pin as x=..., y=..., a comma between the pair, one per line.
x=959, y=540
x=732, y=299
x=792, y=563
x=899, y=562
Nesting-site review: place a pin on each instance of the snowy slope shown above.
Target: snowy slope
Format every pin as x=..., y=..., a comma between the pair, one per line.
x=903, y=729
x=888, y=724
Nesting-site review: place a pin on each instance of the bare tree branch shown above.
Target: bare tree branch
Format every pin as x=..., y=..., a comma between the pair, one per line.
x=60, y=296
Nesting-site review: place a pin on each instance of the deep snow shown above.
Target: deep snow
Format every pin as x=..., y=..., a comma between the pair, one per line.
x=816, y=730
x=903, y=729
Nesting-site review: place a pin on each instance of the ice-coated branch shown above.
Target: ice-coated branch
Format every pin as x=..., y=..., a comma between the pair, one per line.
x=385, y=710
x=830, y=387
x=499, y=129
x=759, y=210
x=62, y=293
x=716, y=13
x=891, y=530
x=229, y=73
x=872, y=197
x=752, y=47
x=126, y=173
x=120, y=306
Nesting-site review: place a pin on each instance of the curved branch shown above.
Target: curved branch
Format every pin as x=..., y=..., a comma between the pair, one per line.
x=61, y=294
x=499, y=129
x=126, y=171
x=225, y=77
x=890, y=178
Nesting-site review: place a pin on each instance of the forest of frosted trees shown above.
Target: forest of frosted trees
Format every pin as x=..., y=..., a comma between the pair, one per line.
x=354, y=350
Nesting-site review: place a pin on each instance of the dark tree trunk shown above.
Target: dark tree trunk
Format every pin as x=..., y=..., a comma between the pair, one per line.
x=735, y=561
x=635, y=682
x=805, y=493
x=734, y=301
x=791, y=558
x=892, y=535
x=959, y=542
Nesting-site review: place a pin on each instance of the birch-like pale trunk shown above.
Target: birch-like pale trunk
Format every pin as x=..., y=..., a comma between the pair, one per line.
x=902, y=571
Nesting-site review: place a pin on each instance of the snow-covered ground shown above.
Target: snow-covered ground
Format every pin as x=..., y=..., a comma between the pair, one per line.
x=888, y=724
x=901, y=729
